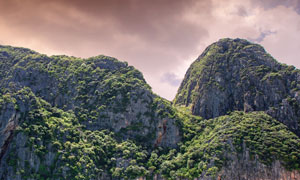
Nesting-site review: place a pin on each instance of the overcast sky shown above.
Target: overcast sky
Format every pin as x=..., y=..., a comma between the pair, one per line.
x=161, y=38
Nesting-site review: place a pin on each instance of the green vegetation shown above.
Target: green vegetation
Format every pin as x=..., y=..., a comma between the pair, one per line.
x=79, y=153
x=217, y=139
x=227, y=54
x=73, y=118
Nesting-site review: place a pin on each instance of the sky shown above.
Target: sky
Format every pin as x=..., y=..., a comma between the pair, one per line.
x=161, y=38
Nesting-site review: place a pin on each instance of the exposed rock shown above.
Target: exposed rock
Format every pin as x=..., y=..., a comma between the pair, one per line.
x=102, y=91
x=70, y=118
x=234, y=74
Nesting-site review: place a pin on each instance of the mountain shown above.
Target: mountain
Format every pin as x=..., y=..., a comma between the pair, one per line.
x=236, y=75
x=235, y=116
x=57, y=110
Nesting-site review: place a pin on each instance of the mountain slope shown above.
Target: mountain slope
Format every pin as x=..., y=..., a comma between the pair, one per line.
x=70, y=118
x=237, y=146
x=234, y=74
x=54, y=110
x=103, y=92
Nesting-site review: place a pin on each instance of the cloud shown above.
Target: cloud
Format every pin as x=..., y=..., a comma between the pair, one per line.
x=155, y=36
x=262, y=36
x=241, y=11
x=171, y=79
x=271, y=4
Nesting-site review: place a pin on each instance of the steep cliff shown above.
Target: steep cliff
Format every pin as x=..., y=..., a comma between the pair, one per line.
x=103, y=92
x=68, y=118
x=236, y=75
x=236, y=146
x=235, y=117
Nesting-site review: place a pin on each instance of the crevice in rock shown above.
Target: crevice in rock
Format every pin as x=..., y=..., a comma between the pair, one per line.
x=10, y=129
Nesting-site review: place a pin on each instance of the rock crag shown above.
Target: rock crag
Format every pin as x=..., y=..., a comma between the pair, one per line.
x=236, y=75
x=236, y=116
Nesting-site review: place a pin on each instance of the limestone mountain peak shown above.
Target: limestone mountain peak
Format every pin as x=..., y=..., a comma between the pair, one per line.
x=235, y=74
x=65, y=117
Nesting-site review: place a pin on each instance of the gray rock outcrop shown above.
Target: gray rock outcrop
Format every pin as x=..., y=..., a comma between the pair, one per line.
x=234, y=74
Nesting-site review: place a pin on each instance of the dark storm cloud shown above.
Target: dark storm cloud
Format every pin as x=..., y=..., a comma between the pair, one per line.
x=108, y=25
x=151, y=35
x=157, y=20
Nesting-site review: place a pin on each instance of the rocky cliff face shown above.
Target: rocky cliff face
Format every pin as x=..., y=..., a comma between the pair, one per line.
x=246, y=169
x=52, y=107
x=234, y=74
x=70, y=118
x=103, y=92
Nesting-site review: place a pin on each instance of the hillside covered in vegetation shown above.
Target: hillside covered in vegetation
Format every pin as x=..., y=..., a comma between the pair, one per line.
x=236, y=116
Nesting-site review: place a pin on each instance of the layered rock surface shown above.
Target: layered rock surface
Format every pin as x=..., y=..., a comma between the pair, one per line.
x=103, y=92
x=57, y=110
x=234, y=74
x=70, y=118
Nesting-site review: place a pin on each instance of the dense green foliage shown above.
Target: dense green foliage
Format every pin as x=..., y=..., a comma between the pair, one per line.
x=83, y=154
x=92, y=88
x=97, y=118
x=239, y=56
x=76, y=152
x=237, y=75
x=216, y=140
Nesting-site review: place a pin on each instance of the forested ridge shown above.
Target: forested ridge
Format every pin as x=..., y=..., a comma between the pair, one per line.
x=236, y=116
